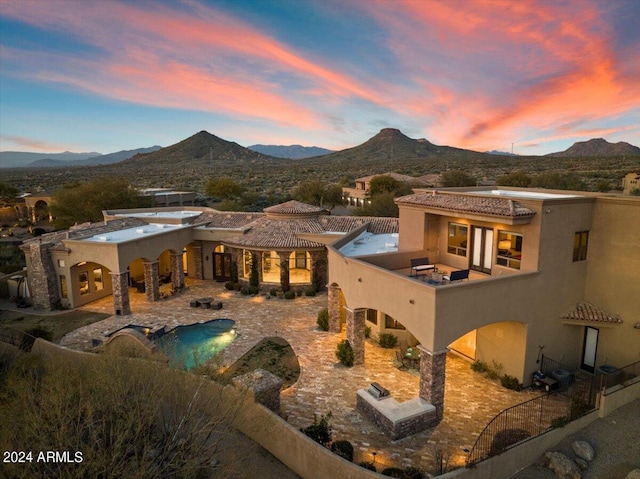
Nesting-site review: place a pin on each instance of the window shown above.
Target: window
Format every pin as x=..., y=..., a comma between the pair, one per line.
x=299, y=260
x=63, y=287
x=97, y=279
x=391, y=323
x=509, y=249
x=83, y=281
x=580, y=243
x=247, y=260
x=457, y=239
x=61, y=263
x=372, y=316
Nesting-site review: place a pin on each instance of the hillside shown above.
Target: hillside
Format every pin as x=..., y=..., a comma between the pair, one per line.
x=293, y=152
x=94, y=160
x=597, y=147
x=19, y=159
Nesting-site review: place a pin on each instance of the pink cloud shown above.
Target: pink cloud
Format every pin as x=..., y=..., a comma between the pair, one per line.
x=30, y=144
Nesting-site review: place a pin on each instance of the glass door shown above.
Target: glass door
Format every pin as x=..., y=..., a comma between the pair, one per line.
x=589, y=350
x=482, y=249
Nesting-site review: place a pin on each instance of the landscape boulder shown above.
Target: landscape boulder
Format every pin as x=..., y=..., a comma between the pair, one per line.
x=582, y=464
x=583, y=450
x=635, y=474
x=564, y=467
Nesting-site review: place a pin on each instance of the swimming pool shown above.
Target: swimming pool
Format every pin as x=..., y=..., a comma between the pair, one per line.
x=194, y=345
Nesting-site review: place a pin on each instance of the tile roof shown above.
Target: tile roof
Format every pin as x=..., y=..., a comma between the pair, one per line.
x=278, y=233
x=293, y=207
x=229, y=219
x=589, y=312
x=468, y=204
x=345, y=224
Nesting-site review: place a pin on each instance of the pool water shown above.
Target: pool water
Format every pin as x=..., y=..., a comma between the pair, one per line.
x=194, y=345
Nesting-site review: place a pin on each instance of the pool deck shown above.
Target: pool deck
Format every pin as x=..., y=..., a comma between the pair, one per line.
x=471, y=400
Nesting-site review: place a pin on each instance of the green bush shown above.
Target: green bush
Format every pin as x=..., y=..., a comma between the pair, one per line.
x=344, y=353
x=579, y=408
x=323, y=319
x=368, y=465
x=245, y=290
x=343, y=449
x=310, y=292
x=479, y=366
x=254, y=289
x=289, y=295
x=320, y=430
x=237, y=286
x=510, y=382
x=387, y=340
x=273, y=292
x=393, y=472
x=367, y=332
x=229, y=285
x=560, y=421
x=413, y=473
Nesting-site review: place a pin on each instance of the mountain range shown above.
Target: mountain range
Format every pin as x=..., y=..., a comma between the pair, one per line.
x=19, y=159
x=597, y=147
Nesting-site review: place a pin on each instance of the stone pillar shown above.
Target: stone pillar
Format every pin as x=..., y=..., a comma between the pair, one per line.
x=284, y=269
x=120, y=286
x=333, y=305
x=319, y=269
x=257, y=256
x=197, y=261
x=355, y=333
x=151, y=280
x=177, y=271
x=432, y=378
x=42, y=277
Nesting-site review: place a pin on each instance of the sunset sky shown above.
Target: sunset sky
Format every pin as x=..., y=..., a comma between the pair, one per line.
x=107, y=75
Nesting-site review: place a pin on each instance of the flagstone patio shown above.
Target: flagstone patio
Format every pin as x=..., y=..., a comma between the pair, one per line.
x=471, y=400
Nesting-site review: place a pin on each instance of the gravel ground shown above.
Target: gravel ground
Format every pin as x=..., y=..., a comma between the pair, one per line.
x=616, y=440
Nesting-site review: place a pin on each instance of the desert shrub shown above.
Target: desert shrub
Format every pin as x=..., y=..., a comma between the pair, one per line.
x=413, y=473
x=254, y=289
x=237, y=286
x=344, y=353
x=320, y=430
x=323, y=319
x=368, y=465
x=510, y=382
x=343, y=449
x=387, y=340
x=579, y=408
x=289, y=295
x=273, y=292
x=367, y=332
x=506, y=438
x=310, y=292
x=229, y=285
x=560, y=421
x=245, y=290
x=479, y=366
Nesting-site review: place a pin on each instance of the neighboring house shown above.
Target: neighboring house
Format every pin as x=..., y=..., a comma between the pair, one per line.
x=38, y=205
x=552, y=272
x=139, y=249
x=358, y=196
x=169, y=197
x=631, y=184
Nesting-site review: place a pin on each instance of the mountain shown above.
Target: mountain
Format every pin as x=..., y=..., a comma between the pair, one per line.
x=18, y=159
x=94, y=160
x=503, y=153
x=598, y=147
x=293, y=152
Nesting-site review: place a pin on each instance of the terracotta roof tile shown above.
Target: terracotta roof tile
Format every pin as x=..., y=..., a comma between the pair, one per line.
x=229, y=219
x=294, y=207
x=589, y=312
x=468, y=204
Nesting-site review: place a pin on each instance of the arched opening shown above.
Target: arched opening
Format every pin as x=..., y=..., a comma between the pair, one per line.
x=299, y=267
x=40, y=211
x=221, y=263
x=382, y=323
x=87, y=282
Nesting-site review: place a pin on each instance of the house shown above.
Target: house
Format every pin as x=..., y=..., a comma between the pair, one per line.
x=631, y=184
x=136, y=251
x=549, y=271
x=358, y=196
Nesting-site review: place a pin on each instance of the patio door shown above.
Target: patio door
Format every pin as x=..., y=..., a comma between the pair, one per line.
x=221, y=266
x=481, y=249
x=589, y=349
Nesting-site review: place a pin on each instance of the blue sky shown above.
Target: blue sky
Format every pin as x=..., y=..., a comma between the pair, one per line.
x=110, y=75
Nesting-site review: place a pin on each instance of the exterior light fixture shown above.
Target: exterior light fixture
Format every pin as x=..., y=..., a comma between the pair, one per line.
x=412, y=301
x=359, y=280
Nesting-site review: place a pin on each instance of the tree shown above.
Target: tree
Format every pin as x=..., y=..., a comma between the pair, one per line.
x=85, y=202
x=7, y=194
x=558, y=181
x=383, y=184
x=318, y=193
x=456, y=178
x=382, y=204
x=224, y=188
x=515, y=178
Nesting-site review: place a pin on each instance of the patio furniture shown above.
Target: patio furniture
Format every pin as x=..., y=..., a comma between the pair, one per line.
x=420, y=264
x=401, y=361
x=457, y=275
x=413, y=356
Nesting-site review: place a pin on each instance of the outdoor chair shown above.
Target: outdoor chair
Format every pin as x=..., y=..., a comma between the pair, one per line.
x=457, y=275
x=402, y=362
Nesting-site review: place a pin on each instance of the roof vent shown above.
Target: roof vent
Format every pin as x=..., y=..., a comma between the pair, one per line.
x=140, y=231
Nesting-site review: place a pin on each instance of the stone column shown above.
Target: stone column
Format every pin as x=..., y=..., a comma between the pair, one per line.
x=319, y=269
x=197, y=261
x=151, y=280
x=284, y=269
x=333, y=305
x=177, y=270
x=257, y=256
x=42, y=277
x=355, y=333
x=120, y=286
x=432, y=378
